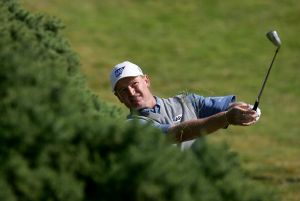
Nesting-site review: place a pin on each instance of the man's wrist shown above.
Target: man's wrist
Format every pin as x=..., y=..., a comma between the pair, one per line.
x=226, y=120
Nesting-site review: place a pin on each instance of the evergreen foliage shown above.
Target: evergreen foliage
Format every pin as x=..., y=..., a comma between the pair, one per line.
x=60, y=142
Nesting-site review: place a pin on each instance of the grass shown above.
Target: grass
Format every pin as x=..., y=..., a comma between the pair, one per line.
x=209, y=47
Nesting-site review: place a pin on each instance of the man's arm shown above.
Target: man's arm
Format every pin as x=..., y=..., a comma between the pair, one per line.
x=239, y=114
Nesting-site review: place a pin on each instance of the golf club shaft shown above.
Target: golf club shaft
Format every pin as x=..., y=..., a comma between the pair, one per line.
x=265, y=81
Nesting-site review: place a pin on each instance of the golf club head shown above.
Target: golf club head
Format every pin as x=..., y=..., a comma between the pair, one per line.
x=274, y=38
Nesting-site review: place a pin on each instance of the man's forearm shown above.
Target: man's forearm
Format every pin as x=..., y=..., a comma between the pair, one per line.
x=192, y=129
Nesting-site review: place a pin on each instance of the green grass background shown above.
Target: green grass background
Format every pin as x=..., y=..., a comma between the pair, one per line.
x=210, y=47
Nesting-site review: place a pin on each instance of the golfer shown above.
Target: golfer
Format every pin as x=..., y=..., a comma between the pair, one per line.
x=183, y=117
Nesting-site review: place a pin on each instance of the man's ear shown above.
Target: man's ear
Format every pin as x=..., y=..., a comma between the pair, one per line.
x=147, y=80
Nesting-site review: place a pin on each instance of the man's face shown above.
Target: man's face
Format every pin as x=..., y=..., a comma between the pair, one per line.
x=134, y=92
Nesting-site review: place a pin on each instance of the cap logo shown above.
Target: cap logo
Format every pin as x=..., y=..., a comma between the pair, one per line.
x=119, y=71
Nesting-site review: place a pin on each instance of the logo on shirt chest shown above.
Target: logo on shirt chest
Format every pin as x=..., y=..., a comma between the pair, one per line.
x=177, y=118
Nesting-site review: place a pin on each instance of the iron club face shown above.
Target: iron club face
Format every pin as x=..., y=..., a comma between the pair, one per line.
x=274, y=38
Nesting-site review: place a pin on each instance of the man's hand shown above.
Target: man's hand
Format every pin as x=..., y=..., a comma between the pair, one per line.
x=241, y=114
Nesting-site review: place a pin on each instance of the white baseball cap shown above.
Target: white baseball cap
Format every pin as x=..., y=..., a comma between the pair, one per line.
x=122, y=70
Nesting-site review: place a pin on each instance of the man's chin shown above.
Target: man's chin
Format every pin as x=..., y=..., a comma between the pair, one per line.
x=137, y=106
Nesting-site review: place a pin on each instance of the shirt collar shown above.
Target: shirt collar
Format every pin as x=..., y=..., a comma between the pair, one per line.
x=146, y=111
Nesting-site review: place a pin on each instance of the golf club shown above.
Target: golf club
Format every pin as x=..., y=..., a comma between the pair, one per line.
x=274, y=38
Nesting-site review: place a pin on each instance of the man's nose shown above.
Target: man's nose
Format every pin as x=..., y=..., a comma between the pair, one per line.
x=131, y=90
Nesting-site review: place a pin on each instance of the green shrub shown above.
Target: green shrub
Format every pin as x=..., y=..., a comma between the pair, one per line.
x=58, y=141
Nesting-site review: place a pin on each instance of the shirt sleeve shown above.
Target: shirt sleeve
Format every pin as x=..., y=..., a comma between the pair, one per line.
x=163, y=127
x=207, y=106
x=144, y=120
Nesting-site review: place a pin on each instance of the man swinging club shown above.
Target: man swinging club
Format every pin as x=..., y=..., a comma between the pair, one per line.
x=183, y=117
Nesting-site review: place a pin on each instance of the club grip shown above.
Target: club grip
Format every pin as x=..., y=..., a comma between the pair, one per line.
x=255, y=105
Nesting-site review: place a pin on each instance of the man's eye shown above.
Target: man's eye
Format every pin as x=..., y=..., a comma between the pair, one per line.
x=123, y=90
x=135, y=83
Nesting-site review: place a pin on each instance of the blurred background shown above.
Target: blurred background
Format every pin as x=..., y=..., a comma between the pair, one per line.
x=209, y=47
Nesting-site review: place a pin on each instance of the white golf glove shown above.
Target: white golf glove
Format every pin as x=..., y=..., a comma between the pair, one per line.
x=258, y=112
